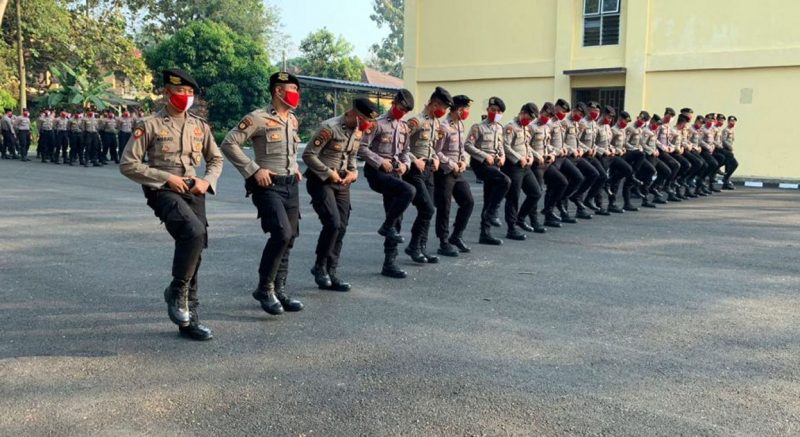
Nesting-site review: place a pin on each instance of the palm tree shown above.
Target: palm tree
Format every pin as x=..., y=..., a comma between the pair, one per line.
x=79, y=91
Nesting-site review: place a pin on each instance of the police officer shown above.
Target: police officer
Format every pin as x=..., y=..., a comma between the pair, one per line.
x=331, y=160
x=564, y=137
x=109, y=137
x=663, y=172
x=425, y=131
x=47, y=137
x=520, y=157
x=672, y=137
x=77, y=154
x=731, y=164
x=386, y=152
x=692, y=153
x=614, y=160
x=177, y=142
x=9, y=135
x=707, y=146
x=125, y=126
x=22, y=125
x=487, y=156
x=61, y=143
x=272, y=179
x=91, y=139
x=579, y=144
x=548, y=132
x=449, y=182
x=638, y=157
x=589, y=132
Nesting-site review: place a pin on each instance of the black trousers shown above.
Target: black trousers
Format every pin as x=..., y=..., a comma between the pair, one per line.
x=47, y=141
x=574, y=176
x=60, y=145
x=713, y=164
x=447, y=187
x=279, y=210
x=109, y=145
x=24, y=138
x=9, y=143
x=685, y=169
x=76, y=149
x=91, y=144
x=184, y=216
x=600, y=181
x=423, y=201
x=522, y=179
x=663, y=171
x=123, y=141
x=495, y=187
x=397, y=195
x=731, y=164
x=557, y=184
x=618, y=170
x=643, y=169
x=698, y=165
x=331, y=202
x=673, y=166
x=590, y=175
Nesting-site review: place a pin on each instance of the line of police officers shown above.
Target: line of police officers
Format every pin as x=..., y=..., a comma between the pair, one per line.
x=74, y=139
x=582, y=155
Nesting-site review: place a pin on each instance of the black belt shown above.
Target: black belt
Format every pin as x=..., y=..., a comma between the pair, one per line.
x=284, y=180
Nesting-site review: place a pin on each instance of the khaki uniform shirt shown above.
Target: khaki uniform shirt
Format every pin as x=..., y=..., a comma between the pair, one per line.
x=556, y=136
x=22, y=123
x=387, y=140
x=333, y=148
x=707, y=138
x=540, y=139
x=125, y=124
x=109, y=125
x=516, y=141
x=424, y=132
x=618, y=137
x=275, y=143
x=450, y=150
x=61, y=123
x=45, y=122
x=570, y=129
x=172, y=148
x=7, y=123
x=485, y=139
x=633, y=142
x=602, y=141
x=728, y=137
x=649, y=141
x=75, y=124
x=587, y=134
x=91, y=124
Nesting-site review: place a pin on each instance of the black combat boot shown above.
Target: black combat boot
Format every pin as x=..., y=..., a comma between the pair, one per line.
x=550, y=219
x=522, y=224
x=457, y=241
x=265, y=293
x=486, y=235
x=391, y=269
x=535, y=224
x=515, y=234
x=195, y=330
x=176, y=296
x=423, y=247
x=288, y=302
x=391, y=233
x=321, y=276
x=337, y=284
x=446, y=249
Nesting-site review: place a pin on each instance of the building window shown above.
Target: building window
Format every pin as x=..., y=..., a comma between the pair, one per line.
x=600, y=22
x=612, y=96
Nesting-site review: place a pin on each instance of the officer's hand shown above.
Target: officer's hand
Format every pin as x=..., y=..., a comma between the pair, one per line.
x=435, y=165
x=200, y=186
x=419, y=164
x=263, y=177
x=489, y=160
x=386, y=165
x=298, y=175
x=540, y=161
x=351, y=177
x=501, y=161
x=462, y=166
x=402, y=169
x=176, y=183
x=334, y=177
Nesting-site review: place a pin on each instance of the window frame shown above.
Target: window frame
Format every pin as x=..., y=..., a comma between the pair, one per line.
x=599, y=17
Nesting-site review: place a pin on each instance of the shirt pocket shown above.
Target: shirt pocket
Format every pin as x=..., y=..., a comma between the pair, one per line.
x=274, y=138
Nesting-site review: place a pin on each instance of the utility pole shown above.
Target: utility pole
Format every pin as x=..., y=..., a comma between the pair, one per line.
x=23, y=98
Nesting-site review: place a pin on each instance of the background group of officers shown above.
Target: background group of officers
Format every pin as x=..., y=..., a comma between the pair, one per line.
x=583, y=155
x=75, y=139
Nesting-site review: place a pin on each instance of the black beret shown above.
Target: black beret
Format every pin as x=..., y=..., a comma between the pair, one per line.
x=732, y=118
x=178, y=77
x=710, y=115
x=497, y=101
x=656, y=119
x=563, y=104
x=7, y=110
x=720, y=116
x=442, y=95
x=365, y=107
x=461, y=101
x=644, y=115
x=669, y=111
x=405, y=98
x=282, y=77
x=582, y=107
x=623, y=115
x=548, y=108
x=594, y=105
x=530, y=109
x=700, y=119
x=686, y=110
x=683, y=118
x=608, y=109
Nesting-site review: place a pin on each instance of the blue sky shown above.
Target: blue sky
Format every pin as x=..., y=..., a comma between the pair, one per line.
x=349, y=19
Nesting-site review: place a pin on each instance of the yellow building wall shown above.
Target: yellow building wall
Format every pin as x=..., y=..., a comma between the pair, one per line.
x=676, y=53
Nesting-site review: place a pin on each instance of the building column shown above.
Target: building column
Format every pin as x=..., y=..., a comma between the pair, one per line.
x=565, y=32
x=637, y=22
x=410, y=51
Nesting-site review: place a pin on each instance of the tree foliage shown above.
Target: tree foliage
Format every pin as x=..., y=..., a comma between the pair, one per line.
x=232, y=70
x=77, y=90
x=388, y=55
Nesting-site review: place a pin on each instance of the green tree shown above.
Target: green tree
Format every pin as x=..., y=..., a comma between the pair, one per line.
x=76, y=90
x=388, y=55
x=324, y=55
x=232, y=70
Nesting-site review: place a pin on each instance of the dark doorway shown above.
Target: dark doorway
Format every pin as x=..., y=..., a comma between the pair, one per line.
x=605, y=96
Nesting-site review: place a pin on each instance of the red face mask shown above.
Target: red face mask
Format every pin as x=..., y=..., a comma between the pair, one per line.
x=731, y=125
x=719, y=123
x=667, y=119
x=561, y=115
x=464, y=114
x=639, y=123
x=126, y=114
x=622, y=124
x=653, y=127
x=708, y=125
x=396, y=113
x=494, y=116
x=91, y=114
x=544, y=119
x=364, y=124
x=439, y=113
x=291, y=98
x=25, y=114
x=524, y=122
x=606, y=120
x=576, y=117
x=594, y=115
x=181, y=102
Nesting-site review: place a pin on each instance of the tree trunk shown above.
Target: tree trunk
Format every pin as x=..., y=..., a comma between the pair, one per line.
x=23, y=98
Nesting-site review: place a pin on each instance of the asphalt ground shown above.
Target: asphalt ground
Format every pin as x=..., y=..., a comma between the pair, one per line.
x=676, y=321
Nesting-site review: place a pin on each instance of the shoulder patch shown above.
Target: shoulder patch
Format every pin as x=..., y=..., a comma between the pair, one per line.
x=138, y=132
x=413, y=123
x=245, y=123
x=323, y=137
x=509, y=130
